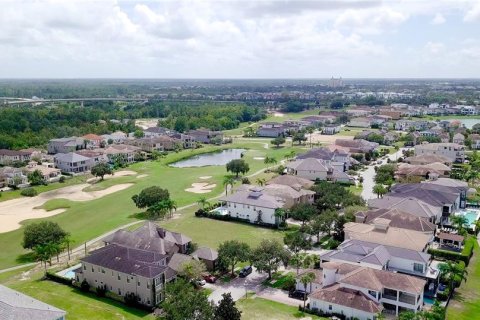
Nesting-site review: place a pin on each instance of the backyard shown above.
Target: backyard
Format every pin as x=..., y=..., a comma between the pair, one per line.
x=89, y=219
x=465, y=304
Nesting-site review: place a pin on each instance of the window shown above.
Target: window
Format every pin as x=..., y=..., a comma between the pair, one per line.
x=138, y=283
x=93, y=270
x=418, y=267
x=372, y=293
x=118, y=277
x=329, y=307
x=84, y=267
x=103, y=270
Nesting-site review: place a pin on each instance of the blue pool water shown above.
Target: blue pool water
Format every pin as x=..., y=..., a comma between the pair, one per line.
x=471, y=217
x=69, y=275
x=428, y=300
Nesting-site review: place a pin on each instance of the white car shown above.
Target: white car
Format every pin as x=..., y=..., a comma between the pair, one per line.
x=200, y=282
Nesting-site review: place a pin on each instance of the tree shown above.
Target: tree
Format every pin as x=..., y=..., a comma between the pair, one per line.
x=379, y=190
x=203, y=202
x=261, y=181
x=278, y=141
x=35, y=178
x=296, y=242
x=268, y=256
x=44, y=253
x=323, y=222
x=238, y=166
x=279, y=216
x=290, y=155
x=303, y=212
x=305, y=279
x=336, y=104
x=101, y=169
x=170, y=205
x=192, y=269
x=231, y=252
x=459, y=222
x=299, y=137
x=226, y=309
x=43, y=233
x=270, y=160
x=138, y=134
x=183, y=302
x=228, y=180
x=452, y=272
x=385, y=174
x=150, y=196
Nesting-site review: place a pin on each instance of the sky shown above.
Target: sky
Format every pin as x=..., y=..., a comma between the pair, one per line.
x=240, y=39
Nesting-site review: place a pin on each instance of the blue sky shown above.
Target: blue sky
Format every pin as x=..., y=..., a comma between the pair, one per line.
x=239, y=39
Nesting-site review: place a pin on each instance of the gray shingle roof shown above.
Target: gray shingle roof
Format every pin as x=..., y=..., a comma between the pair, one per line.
x=70, y=157
x=398, y=219
x=259, y=199
x=206, y=253
x=18, y=306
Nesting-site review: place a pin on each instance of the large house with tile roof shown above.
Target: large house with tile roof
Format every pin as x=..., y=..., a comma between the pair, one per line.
x=362, y=293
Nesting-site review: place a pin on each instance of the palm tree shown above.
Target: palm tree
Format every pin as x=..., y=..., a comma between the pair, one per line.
x=203, y=202
x=459, y=222
x=170, y=206
x=310, y=130
x=158, y=210
x=290, y=155
x=452, y=271
x=67, y=241
x=280, y=215
x=270, y=160
x=228, y=181
x=261, y=181
x=306, y=279
x=472, y=176
x=379, y=190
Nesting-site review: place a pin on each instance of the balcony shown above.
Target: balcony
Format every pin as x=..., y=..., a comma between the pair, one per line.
x=407, y=298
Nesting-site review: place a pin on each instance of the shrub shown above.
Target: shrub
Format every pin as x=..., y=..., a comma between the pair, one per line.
x=448, y=255
x=29, y=192
x=84, y=286
x=201, y=213
x=62, y=179
x=131, y=299
x=443, y=296
x=245, y=180
x=101, y=291
x=468, y=247
x=56, y=278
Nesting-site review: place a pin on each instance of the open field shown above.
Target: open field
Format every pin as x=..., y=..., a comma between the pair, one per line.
x=465, y=304
x=89, y=219
x=262, y=309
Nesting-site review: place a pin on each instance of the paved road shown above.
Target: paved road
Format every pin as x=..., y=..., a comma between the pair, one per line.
x=369, y=175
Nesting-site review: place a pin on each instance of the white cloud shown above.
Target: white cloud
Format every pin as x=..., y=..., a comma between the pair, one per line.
x=438, y=19
x=473, y=14
x=434, y=48
x=370, y=21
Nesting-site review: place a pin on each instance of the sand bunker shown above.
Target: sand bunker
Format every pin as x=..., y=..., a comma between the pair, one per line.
x=201, y=187
x=142, y=176
x=258, y=158
x=326, y=139
x=278, y=114
x=205, y=177
x=12, y=212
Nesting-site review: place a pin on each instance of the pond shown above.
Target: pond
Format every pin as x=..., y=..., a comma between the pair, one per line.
x=469, y=123
x=210, y=159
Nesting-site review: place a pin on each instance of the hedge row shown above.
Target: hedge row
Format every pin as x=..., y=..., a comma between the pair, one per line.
x=56, y=278
x=205, y=214
x=449, y=255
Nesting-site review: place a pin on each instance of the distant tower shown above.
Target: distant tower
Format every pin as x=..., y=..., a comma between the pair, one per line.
x=335, y=82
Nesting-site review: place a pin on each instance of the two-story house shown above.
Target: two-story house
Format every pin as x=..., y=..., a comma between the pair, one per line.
x=317, y=169
x=8, y=157
x=72, y=162
x=362, y=292
x=65, y=145
x=453, y=151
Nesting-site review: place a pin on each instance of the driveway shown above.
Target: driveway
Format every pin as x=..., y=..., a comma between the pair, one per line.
x=238, y=286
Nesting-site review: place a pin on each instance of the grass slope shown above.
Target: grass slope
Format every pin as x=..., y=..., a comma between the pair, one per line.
x=258, y=308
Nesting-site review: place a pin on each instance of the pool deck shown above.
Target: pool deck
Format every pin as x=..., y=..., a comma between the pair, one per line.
x=65, y=271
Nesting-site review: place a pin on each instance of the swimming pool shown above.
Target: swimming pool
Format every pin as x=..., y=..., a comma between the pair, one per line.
x=471, y=215
x=69, y=273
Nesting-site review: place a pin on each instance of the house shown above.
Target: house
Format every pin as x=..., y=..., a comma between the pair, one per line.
x=115, y=137
x=362, y=293
x=394, y=114
x=424, y=159
x=331, y=129
x=313, y=286
x=72, y=162
x=407, y=125
x=157, y=132
x=291, y=195
x=254, y=206
x=425, y=171
x=398, y=219
x=8, y=157
x=65, y=145
x=206, y=136
x=93, y=141
x=453, y=151
x=124, y=270
x=357, y=145
x=49, y=174
x=18, y=306
x=475, y=138
x=458, y=138
x=160, y=143
x=96, y=156
x=10, y=176
x=413, y=205
x=270, y=131
x=384, y=257
x=469, y=110
x=125, y=151
x=362, y=122
x=208, y=256
x=289, y=180
x=319, y=120
x=141, y=262
x=381, y=232
x=332, y=156
x=317, y=169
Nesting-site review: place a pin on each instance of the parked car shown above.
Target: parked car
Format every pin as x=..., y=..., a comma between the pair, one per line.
x=210, y=278
x=245, y=271
x=200, y=282
x=297, y=294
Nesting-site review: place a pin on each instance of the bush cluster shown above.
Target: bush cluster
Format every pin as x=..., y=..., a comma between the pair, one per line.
x=29, y=192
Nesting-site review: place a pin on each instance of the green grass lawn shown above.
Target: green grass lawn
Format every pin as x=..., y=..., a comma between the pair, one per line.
x=258, y=308
x=210, y=232
x=465, y=304
x=78, y=305
x=89, y=219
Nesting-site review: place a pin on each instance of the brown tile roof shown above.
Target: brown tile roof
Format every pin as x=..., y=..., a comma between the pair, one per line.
x=398, y=219
x=450, y=236
x=346, y=297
